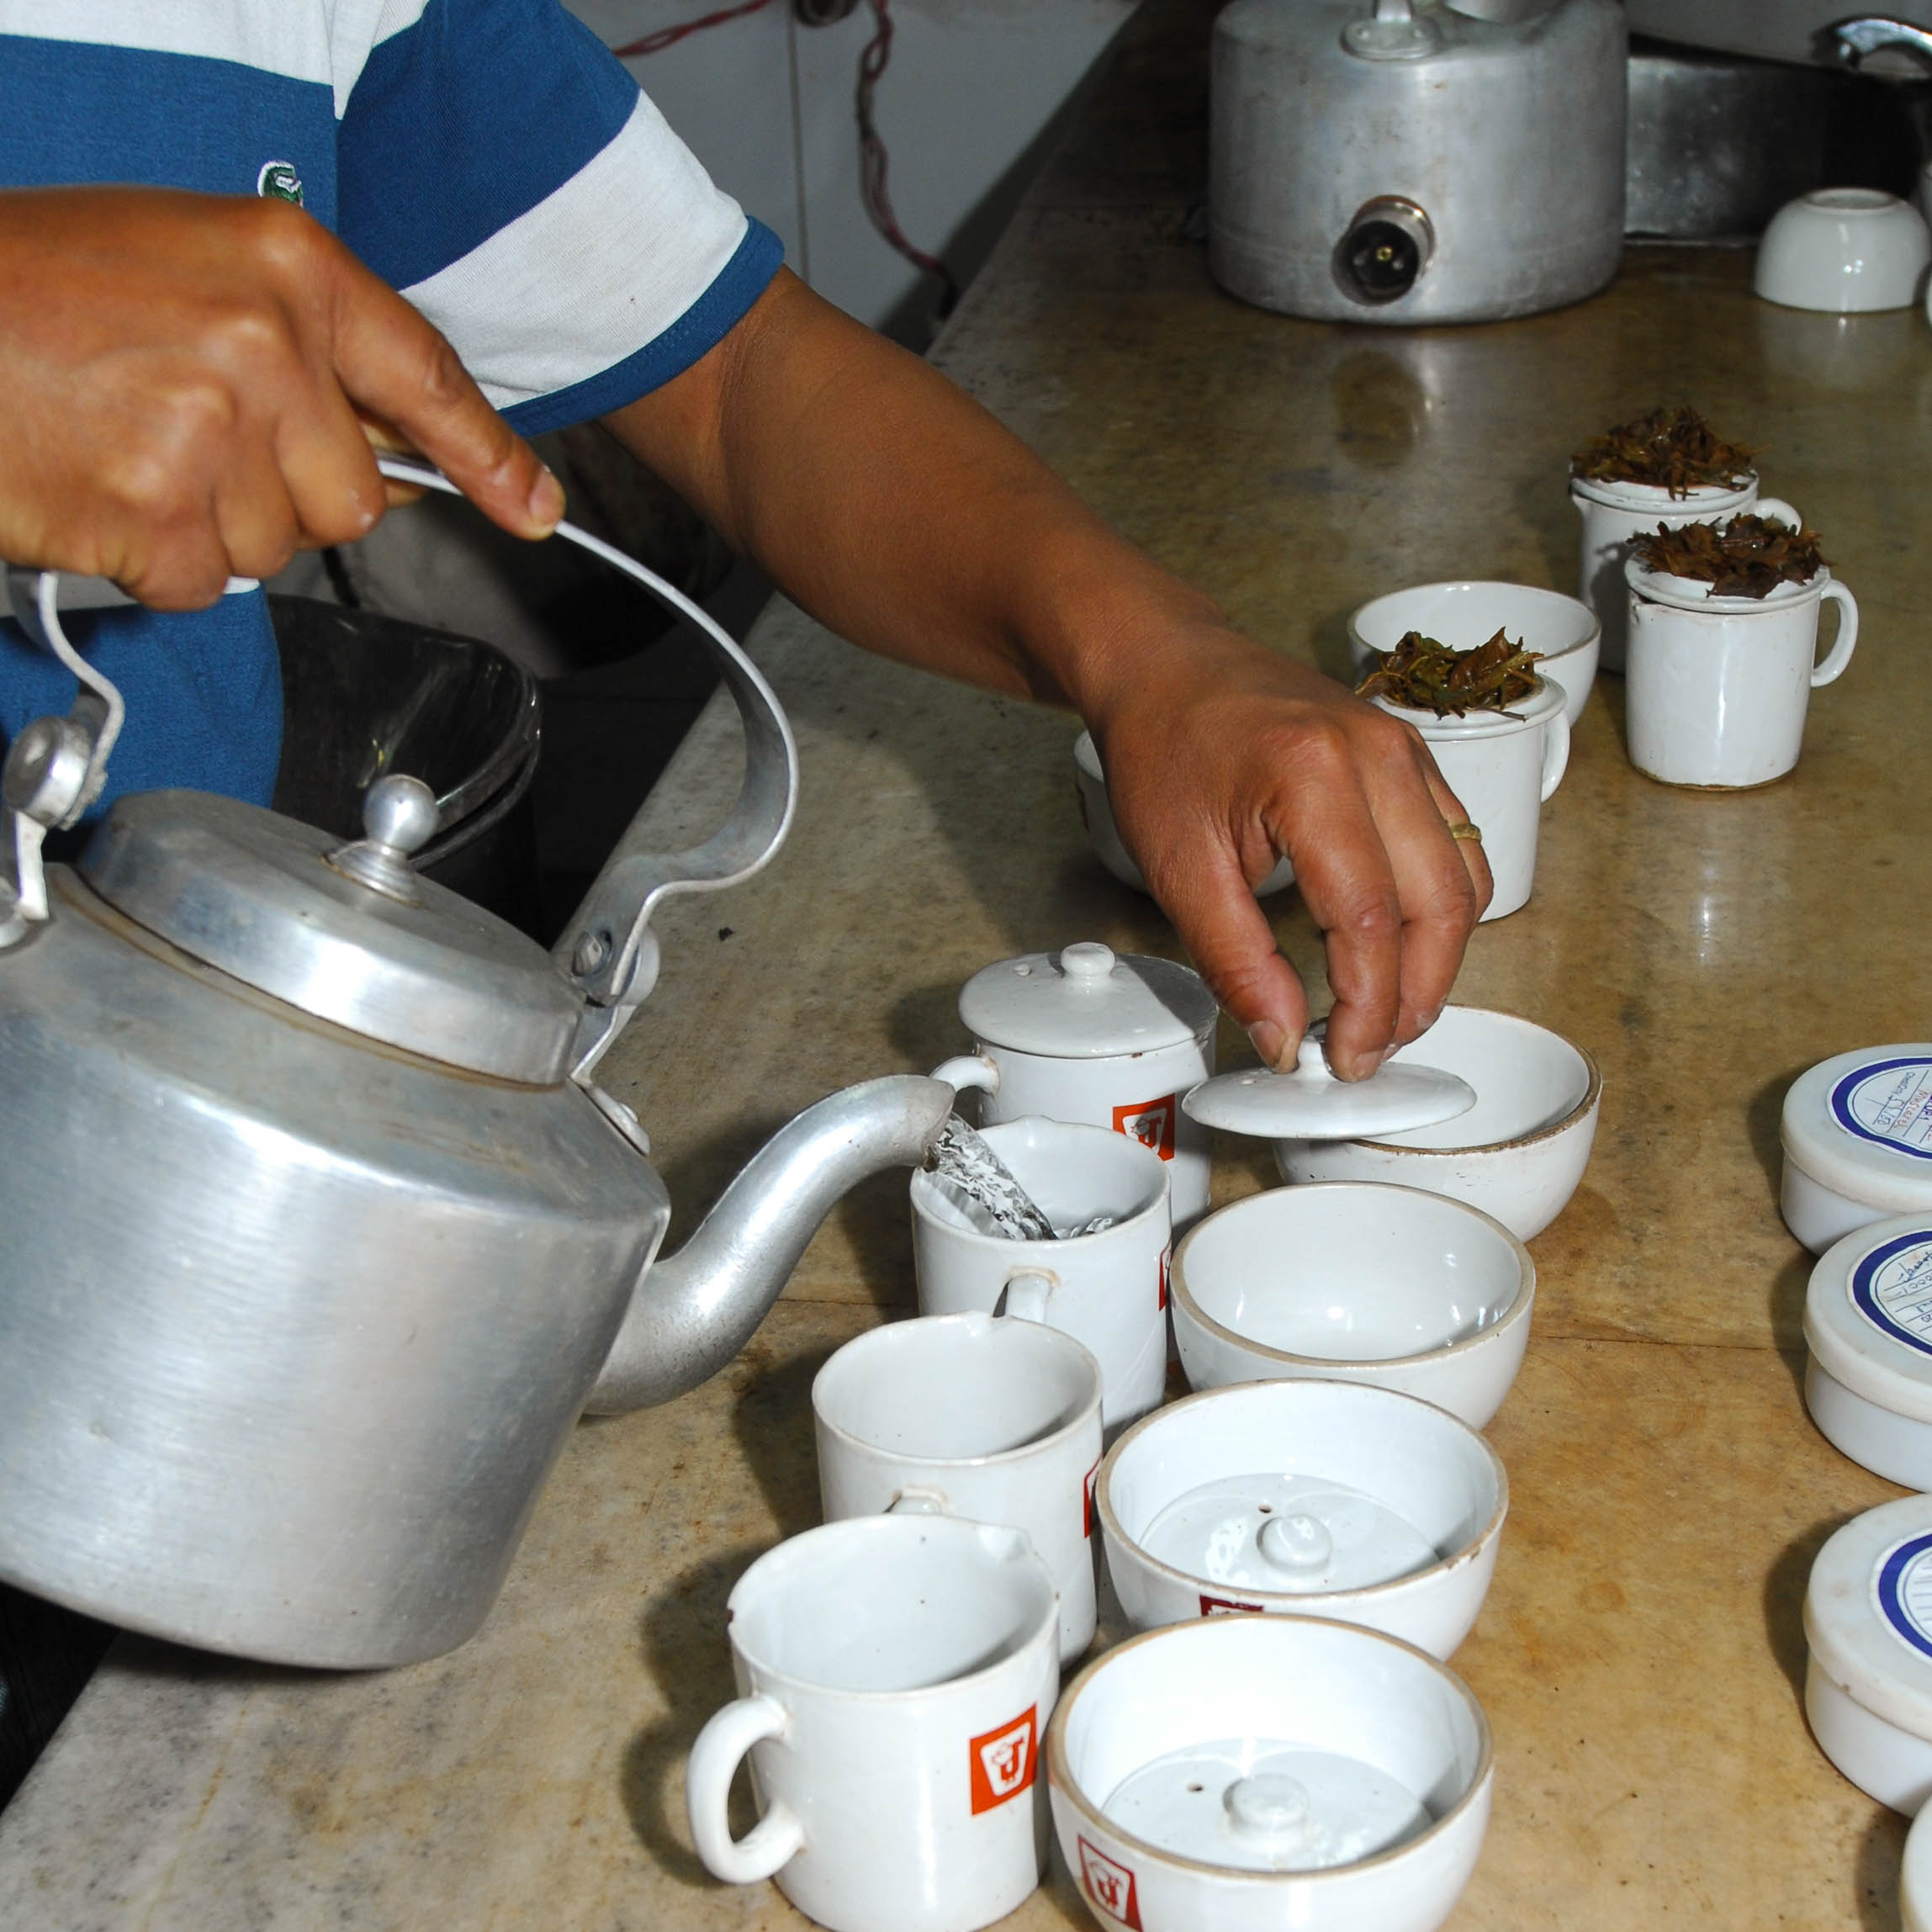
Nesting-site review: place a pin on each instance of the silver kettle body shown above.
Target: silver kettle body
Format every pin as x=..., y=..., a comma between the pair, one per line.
x=316, y=1233
x=1386, y=163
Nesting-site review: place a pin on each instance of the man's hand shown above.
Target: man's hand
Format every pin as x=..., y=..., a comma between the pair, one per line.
x=1219, y=756
x=192, y=382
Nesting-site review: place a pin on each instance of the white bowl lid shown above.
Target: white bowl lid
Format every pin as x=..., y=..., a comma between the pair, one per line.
x=1311, y=1104
x=1861, y=1124
x=1868, y=1612
x=1086, y=1002
x=1868, y=1313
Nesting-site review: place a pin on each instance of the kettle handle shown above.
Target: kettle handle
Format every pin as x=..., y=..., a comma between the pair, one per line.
x=606, y=951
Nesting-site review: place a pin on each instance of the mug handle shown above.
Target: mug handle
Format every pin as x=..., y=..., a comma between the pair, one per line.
x=916, y=1500
x=1777, y=507
x=714, y=1759
x=1027, y=1295
x=968, y=1070
x=1555, y=754
x=1847, y=638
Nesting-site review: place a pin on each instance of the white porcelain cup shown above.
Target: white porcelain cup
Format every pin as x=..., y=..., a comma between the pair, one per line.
x=998, y=1420
x=1124, y=1068
x=896, y=1675
x=1107, y=1290
x=1502, y=765
x=1612, y=513
x=1719, y=686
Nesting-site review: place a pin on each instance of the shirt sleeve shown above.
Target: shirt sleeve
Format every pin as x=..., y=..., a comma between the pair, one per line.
x=499, y=166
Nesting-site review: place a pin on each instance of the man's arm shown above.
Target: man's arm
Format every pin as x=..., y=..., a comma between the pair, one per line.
x=900, y=514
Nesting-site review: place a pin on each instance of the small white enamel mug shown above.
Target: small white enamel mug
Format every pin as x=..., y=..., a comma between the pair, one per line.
x=1612, y=513
x=1718, y=686
x=1107, y=1290
x=1502, y=765
x=1095, y=1037
x=994, y=1420
x=896, y=1675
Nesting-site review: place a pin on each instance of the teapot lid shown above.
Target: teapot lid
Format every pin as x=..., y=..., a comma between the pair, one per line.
x=346, y=932
x=1086, y=1002
x=1311, y=1103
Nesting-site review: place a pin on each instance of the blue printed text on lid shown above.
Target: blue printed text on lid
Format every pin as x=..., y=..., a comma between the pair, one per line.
x=1890, y=1102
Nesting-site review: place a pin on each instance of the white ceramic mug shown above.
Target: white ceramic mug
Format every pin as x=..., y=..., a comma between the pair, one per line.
x=896, y=1675
x=998, y=1420
x=1107, y=1290
x=1718, y=686
x=1065, y=1073
x=1612, y=513
x=1502, y=765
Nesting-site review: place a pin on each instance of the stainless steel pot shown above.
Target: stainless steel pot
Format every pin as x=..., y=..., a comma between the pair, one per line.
x=316, y=1233
x=1404, y=161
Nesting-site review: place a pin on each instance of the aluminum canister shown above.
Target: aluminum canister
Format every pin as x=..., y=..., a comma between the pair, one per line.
x=1372, y=161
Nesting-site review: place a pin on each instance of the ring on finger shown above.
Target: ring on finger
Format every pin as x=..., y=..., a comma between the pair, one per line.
x=1465, y=830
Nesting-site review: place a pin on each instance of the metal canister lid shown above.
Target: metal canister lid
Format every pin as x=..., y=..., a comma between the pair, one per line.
x=1868, y=1314
x=1868, y=1612
x=1861, y=1124
x=348, y=934
x=1086, y=1002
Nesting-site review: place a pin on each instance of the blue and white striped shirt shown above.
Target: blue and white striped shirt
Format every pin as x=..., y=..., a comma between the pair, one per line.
x=487, y=158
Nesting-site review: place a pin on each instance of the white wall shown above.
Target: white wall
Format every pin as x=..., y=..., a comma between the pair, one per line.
x=767, y=104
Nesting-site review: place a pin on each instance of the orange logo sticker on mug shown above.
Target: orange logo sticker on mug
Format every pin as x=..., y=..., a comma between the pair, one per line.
x=1152, y=1123
x=1110, y=1885
x=1163, y=1278
x=1226, y=1606
x=1003, y=1762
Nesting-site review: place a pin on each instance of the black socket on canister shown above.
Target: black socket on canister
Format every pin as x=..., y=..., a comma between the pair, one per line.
x=1385, y=247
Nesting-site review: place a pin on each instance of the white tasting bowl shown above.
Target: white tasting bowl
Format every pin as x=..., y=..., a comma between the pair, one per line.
x=1356, y=1281
x=1845, y=251
x=1467, y=612
x=1518, y=1154
x=1435, y=1473
x=1298, y=1680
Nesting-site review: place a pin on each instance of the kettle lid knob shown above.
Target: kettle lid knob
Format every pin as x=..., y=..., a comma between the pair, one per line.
x=398, y=817
x=399, y=813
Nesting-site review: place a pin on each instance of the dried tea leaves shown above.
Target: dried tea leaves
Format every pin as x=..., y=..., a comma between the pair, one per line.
x=1671, y=449
x=1424, y=674
x=1748, y=557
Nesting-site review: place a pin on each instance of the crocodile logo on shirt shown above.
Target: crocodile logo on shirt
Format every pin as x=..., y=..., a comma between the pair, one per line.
x=279, y=182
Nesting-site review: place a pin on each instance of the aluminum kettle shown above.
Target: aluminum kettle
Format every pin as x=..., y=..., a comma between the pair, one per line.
x=1400, y=161
x=316, y=1233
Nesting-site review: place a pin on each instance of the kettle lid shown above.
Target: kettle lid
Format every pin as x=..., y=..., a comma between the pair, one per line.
x=348, y=933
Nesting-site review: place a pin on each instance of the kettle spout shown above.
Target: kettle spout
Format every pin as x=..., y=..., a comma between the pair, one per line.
x=692, y=1313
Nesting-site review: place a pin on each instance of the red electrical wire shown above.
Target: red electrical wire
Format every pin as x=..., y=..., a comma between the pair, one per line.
x=669, y=36
x=873, y=160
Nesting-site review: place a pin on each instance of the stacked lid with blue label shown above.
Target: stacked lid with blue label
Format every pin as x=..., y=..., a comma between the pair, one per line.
x=1868, y=1620
x=1857, y=1133
x=1868, y=1326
